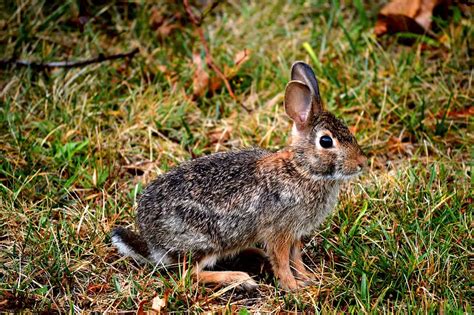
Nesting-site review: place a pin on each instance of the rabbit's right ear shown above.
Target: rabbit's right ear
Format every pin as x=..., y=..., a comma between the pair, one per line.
x=298, y=104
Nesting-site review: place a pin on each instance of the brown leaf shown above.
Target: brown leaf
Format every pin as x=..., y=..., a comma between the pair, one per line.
x=402, y=7
x=219, y=135
x=140, y=310
x=166, y=29
x=241, y=57
x=397, y=145
x=215, y=84
x=200, y=77
x=156, y=18
x=97, y=288
x=461, y=113
x=412, y=16
x=163, y=25
x=158, y=304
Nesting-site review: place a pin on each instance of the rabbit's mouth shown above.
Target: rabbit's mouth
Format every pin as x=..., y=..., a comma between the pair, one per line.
x=347, y=176
x=338, y=176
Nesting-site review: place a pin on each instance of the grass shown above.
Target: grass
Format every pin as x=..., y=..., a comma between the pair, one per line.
x=77, y=147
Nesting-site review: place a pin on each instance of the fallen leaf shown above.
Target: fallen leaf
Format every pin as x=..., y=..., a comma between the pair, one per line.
x=140, y=168
x=461, y=113
x=97, y=288
x=200, y=77
x=400, y=146
x=215, y=84
x=412, y=16
x=426, y=12
x=156, y=18
x=241, y=57
x=163, y=25
x=251, y=100
x=140, y=310
x=158, y=304
x=391, y=24
x=219, y=135
x=166, y=29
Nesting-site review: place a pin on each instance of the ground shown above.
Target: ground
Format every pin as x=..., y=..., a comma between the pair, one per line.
x=78, y=145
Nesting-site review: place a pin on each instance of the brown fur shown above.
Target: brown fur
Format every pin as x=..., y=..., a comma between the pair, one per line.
x=279, y=250
x=225, y=278
x=275, y=160
x=222, y=277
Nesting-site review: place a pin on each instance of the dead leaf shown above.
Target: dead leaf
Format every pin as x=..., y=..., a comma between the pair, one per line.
x=215, y=84
x=397, y=145
x=241, y=57
x=97, y=288
x=203, y=82
x=166, y=29
x=412, y=16
x=140, y=168
x=220, y=134
x=158, y=304
x=163, y=24
x=140, y=310
x=200, y=77
x=156, y=18
x=461, y=113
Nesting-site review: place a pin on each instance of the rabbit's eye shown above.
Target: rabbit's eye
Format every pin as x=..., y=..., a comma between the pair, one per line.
x=325, y=142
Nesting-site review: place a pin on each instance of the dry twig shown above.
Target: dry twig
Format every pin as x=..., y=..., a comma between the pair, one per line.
x=197, y=21
x=66, y=64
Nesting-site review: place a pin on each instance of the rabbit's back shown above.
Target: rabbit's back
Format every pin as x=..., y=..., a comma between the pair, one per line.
x=203, y=204
x=212, y=181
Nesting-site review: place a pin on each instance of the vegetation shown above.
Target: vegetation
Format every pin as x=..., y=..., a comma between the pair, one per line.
x=78, y=145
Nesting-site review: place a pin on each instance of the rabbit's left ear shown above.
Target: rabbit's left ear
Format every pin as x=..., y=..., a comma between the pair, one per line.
x=301, y=71
x=298, y=104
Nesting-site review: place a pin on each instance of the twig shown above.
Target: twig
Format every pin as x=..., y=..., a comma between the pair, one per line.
x=209, y=60
x=66, y=64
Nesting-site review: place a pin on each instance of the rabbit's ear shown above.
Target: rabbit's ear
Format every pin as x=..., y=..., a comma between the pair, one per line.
x=298, y=103
x=301, y=71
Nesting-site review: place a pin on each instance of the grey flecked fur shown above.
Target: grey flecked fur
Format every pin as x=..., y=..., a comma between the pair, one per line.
x=225, y=202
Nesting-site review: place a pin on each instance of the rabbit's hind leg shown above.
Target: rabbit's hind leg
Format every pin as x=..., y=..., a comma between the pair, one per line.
x=239, y=278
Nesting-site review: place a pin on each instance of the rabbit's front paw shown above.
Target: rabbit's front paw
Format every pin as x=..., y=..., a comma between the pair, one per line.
x=289, y=284
x=305, y=275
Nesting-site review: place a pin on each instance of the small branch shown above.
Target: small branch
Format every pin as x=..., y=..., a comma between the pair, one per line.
x=209, y=60
x=66, y=64
x=194, y=19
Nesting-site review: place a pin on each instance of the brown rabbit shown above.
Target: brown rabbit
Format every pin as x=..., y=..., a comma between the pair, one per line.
x=220, y=204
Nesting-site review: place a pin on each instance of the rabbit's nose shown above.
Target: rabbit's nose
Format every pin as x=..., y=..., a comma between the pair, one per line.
x=361, y=162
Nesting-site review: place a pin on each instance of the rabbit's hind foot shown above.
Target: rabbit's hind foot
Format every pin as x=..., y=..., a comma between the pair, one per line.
x=238, y=278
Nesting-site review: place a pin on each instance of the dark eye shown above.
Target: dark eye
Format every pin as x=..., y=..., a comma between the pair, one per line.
x=325, y=142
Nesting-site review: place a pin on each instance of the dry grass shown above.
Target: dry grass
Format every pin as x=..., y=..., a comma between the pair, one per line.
x=77, y=146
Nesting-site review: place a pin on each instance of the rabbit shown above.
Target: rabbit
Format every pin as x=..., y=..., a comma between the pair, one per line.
x=218, y=205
